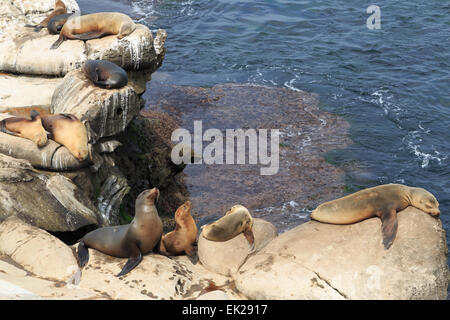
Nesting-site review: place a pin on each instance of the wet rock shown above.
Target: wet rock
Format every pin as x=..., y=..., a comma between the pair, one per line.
x=37, y=251
x=227, y=257
x=323, y=261
x=105, y=112
x=144, y=158
x=48, y=201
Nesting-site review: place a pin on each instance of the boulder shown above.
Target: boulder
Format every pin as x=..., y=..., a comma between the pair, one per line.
x=214, y=295
x=37, y=251
x=227, y=257
x=48, y=201
x=105, y=112
x=323, y=261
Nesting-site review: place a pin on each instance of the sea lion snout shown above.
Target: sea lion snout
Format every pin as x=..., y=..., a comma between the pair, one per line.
x=150, y=195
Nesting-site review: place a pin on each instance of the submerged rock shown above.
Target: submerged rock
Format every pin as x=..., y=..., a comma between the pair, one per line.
x=323, y=261
x=227, y=257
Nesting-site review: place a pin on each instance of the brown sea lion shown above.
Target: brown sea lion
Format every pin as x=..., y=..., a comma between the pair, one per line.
x=382, y=201
x=235, y=221
x=183, y=238
x=95, y=25
x=130, y=241
x=105, y=74
x=25, y=128
x=60, y=8
x=67, y=130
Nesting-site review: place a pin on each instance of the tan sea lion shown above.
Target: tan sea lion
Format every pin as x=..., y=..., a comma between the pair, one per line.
x=60, y=8
x=130, y=241
x=25, y=128
x=235, y=221
x=183, y=238
x=67, y=130
x=382, y=201
x=95, y=25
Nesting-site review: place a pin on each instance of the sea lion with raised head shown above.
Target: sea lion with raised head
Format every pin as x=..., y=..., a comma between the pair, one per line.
x=60, y=8
x=105, y=74
x=56, y=23
x=68, y=130
x=25, y=128
x=130, y=241
x=235, y=221
x=182, y=239
x=95, y=25
x=382, y=201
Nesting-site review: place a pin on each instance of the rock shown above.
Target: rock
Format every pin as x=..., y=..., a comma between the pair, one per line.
x=156, y=277
x=26, y=91
x=28, y=7
x=323, y=261
x=37, y=251
x=48, y=201
x=105, y=112
x=227, y=257
x=214, y=295
x=16, y=283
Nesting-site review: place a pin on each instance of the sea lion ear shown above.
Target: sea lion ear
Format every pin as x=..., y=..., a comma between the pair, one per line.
x=34, y=114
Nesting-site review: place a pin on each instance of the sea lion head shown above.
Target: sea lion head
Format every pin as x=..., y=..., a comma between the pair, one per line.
x=425, y=201
x=183, y=211
x=80, y=146
x=38, y=135
x=148, y=197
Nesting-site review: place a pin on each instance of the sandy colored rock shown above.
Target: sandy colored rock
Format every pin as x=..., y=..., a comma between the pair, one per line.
x=323, y=261
x=227, y=257
x=214, y=295
x=156, y=277
x=37, y=251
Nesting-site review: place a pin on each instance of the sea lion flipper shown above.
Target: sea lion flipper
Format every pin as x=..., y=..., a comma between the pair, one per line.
x=58, y=42
x=89, y=35
x=131, y=264
x=389, y=227
x=248, y=234
x=83, y=253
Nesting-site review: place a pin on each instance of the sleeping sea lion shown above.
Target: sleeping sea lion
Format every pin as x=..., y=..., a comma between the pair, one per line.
x=105, y=74
x=183, y=238
x=130, y=241
x=29, y=129
x=235, y=221
x=382, y=201
x=67, y=130
x=96, y=25
x=56, y=23
x=60, y=8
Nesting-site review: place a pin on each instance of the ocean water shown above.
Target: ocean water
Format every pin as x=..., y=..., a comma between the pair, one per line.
x=391, y=84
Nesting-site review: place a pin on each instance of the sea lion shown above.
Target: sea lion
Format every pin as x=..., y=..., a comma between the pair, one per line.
x=29, y=129
x=60, y=8
x=105, y=74
x=56, y=23
x=130, y=241
x=183, y=238
x=95, y=25
x=382, y=201
x=235, y=221
x=67, y=130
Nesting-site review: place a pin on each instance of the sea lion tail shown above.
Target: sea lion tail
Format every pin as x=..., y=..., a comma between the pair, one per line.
x=58, y=42
x=83, y=253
